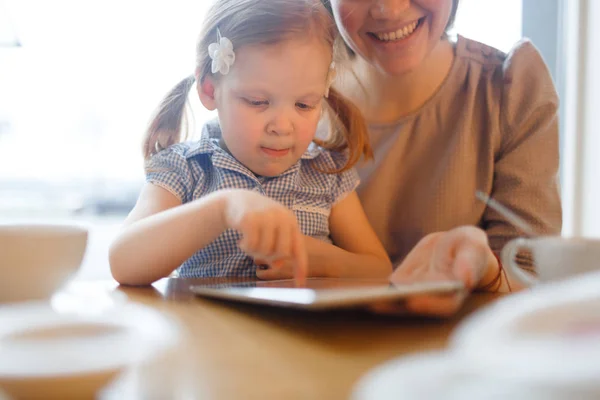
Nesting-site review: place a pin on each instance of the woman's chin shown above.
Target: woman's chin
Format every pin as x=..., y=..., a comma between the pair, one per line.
x=398, y=68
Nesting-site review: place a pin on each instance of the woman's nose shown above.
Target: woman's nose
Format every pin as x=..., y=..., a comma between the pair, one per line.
x=389, y=9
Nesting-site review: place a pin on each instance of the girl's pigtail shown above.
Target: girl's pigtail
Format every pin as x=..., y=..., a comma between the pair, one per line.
x=349, y=130
x=165, y=128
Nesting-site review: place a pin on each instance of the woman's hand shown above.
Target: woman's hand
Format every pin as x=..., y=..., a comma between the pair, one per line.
x=462, y=253
x=269, y=230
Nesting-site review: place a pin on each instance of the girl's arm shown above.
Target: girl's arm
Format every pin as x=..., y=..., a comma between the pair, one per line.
x=160, y=233
x=357, y=252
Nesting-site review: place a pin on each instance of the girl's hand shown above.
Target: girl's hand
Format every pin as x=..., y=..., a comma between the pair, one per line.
x=461, y=254
x=269, y=230
x=283, y=268
x=275, y=269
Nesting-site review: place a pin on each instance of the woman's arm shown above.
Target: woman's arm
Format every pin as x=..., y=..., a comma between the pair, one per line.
x=527, y=159
x=161, y=233
x=356, y=252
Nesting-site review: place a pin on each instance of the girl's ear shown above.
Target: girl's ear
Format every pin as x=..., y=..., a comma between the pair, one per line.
x=206, y=91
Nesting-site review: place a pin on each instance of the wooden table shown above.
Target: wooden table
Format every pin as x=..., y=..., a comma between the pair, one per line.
x=251, y=352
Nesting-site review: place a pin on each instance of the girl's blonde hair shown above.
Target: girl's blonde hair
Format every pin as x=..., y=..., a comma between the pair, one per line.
x=266, y=22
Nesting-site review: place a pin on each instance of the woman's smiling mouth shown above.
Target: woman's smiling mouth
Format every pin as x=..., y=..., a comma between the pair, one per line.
x=399, y=34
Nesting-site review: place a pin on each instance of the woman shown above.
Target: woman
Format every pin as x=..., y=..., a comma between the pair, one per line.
x=447, y=118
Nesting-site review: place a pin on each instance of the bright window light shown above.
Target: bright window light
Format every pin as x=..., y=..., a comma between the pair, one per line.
x=76, y=97
x=497, y=23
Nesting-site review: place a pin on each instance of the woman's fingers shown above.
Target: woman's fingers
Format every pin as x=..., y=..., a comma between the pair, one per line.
x=436, y=305
x=390, y=308
x=418, y=259
x=458, y=254
x=469, y=264
x=426, y=305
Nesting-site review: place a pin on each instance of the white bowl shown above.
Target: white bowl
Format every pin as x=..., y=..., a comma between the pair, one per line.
x=46, y=354
x=36, y=260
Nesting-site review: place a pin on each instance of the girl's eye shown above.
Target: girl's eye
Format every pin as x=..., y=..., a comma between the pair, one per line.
x=304, y=106
x=257, y=103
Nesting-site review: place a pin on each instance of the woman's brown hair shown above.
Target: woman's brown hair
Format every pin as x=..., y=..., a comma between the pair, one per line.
x=264, y=22
x=452, y=19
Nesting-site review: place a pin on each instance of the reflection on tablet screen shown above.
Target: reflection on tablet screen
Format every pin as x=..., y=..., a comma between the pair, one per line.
x=321, y=293
x=311, y=283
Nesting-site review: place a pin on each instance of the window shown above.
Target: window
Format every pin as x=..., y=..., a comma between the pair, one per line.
x=8, y=35
x=496, y=23
x=76, y=97
x=74, y=101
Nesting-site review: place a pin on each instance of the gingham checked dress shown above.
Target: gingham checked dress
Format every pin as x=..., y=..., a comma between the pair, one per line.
x=194, y=169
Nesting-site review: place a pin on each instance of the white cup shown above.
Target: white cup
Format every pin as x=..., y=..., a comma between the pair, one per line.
x=36, y=260
x=554, y=257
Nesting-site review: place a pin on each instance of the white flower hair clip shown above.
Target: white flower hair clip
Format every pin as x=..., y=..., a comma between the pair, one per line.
x=330, y=78
x=222, y=54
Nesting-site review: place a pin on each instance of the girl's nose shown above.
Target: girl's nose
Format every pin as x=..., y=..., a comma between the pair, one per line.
x=280, y=124
x=389, y=9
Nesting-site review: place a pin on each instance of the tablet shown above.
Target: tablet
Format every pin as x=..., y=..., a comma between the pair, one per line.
x=322, y=293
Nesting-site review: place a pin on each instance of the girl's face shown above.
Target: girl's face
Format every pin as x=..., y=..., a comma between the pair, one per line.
x=394, y=36
x=270, y=103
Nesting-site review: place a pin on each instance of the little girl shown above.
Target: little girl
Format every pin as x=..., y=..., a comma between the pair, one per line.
x=258, y=194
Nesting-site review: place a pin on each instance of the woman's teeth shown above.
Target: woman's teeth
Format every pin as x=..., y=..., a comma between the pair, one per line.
x=399, y=34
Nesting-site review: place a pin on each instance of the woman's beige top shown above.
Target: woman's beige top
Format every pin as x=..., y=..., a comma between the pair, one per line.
x=491, y=126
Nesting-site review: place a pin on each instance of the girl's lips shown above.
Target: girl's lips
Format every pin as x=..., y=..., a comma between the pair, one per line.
x=274, y=152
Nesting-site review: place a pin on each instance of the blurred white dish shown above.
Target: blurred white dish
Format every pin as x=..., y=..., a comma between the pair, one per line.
x=36, y=260
x=542, y=343
x=445, y=375
x=549, y=336
x=553, y=314
x=49, y=355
